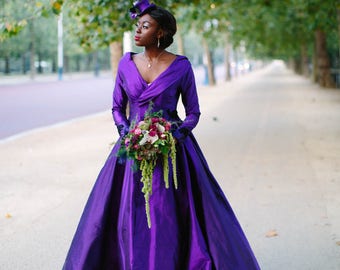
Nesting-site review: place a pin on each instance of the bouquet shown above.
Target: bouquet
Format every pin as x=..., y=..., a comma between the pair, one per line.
x=146, y=142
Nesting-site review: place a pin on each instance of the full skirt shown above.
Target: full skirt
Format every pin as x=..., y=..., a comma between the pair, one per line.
x=192, y=227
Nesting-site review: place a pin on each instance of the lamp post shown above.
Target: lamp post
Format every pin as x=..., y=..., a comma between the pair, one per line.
x=127, y=44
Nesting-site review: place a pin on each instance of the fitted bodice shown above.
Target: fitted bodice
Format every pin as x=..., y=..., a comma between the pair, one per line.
x=164, y=93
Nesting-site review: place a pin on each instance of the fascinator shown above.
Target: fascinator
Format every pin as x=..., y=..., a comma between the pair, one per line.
x=140, y=7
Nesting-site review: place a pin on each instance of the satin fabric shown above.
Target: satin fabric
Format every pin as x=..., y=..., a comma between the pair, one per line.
x=193, y=227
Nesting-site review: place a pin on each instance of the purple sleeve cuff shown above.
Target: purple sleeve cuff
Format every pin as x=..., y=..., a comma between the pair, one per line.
x=122, y=130
x=180, y=134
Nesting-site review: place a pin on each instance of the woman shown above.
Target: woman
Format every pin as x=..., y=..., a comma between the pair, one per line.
x=193, y=226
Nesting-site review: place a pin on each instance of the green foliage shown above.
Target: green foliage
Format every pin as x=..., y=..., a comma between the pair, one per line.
x=267, y=28
x=280, y=28
x=98, y=22
x=11, y=28
x=15, y=14
x=208, y=19
x=56, y=6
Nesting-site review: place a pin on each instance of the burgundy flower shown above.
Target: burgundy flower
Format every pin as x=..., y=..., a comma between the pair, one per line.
x=154, y=120
x=153, y=133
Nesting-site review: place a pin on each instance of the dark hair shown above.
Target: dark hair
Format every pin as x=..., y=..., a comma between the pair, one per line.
x=167, y=23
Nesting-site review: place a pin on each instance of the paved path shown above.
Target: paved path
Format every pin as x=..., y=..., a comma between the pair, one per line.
x=271, y=138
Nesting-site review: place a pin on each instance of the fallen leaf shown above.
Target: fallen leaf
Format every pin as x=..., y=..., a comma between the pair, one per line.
x=8, y=215
x=271, y=233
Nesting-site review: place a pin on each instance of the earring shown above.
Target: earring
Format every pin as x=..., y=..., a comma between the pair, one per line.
x=158, y=43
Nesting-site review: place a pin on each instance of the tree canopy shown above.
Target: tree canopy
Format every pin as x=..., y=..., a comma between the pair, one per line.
x=272, y=29
x=15, y=14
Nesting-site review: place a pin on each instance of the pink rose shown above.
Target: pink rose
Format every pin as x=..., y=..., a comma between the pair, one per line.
x=137, y=131
x=167, y=126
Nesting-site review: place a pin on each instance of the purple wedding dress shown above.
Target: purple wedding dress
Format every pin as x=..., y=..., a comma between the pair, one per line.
x=193, y=227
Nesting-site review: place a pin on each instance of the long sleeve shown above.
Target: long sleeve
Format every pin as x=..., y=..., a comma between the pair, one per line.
x=191, y=105
x=119, y=104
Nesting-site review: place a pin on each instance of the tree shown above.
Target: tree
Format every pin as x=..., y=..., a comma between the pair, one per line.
x=287, y=30
x=202, y=17
x=291, y=30
x=19, y=17
x=16, y=14
x=100, y=23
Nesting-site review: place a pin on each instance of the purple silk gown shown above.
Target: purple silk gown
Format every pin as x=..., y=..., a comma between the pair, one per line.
x=193, y=227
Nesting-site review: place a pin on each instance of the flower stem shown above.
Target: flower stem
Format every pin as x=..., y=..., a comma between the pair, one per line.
x=173, y=160
x=166, y=170
x=147, y=167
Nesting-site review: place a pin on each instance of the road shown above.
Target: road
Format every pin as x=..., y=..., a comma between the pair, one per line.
x=37, y=104
x=271, y=138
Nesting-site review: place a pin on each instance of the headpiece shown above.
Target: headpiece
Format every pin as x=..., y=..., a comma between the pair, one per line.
x=140, y=7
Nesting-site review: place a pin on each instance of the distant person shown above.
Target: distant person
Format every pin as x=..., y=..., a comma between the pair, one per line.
x=192, y=227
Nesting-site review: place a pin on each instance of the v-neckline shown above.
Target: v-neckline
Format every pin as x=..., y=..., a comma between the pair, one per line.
x=160, y=74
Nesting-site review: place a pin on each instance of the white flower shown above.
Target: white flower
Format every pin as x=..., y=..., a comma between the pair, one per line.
x=160, y=128
x=153, y=139
x=145, y=138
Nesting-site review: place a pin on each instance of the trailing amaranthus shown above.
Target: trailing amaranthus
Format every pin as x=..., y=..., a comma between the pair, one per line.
x=146, y=142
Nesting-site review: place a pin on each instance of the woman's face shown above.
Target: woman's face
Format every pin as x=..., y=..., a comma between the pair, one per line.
x=147, y=31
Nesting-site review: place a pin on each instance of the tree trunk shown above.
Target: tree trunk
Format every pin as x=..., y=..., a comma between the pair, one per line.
x=78, y=60
x=227, y=58
x=236, y=67
x=96, y=63
x=297, y=65
x=304, y=60
x=40, y=69
x=315, y=66
x=66, y=64
x=54, y=65
x=210, y=64
x=89, y=62
x=32, y=50
x=323, y=63
x=7, y=65
x=180, y=43
x=116, y=52
x=338, y=11
x=23, y=63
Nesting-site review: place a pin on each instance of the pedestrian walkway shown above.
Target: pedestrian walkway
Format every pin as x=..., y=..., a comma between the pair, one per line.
x=271, y=138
